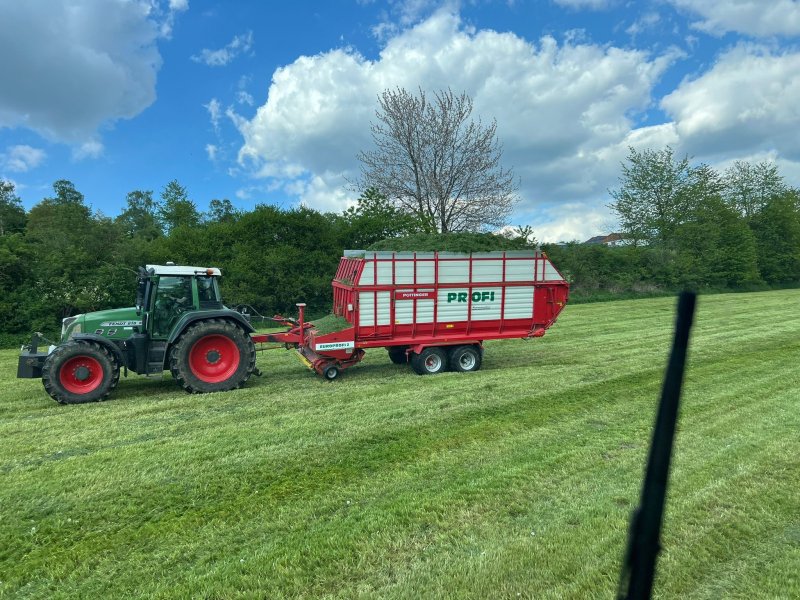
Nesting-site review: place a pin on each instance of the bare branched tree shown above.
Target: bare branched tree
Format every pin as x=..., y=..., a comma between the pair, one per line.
x=434, y=162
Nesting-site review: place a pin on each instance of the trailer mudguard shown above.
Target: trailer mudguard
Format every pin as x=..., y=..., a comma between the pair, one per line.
x=195, y=316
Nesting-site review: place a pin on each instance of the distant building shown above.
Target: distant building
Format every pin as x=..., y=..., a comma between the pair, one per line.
x=612, y=239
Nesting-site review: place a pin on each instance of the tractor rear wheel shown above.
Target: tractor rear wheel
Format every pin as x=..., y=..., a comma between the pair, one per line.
x=78, y=372
x=212, y=356
x=429, y=362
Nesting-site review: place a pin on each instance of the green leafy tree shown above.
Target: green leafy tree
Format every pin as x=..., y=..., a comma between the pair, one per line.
x=66, y=193
x=748, y=187
x=374, y=218
x=140, y=217
x=657, y=192
x=523, y=233
x=282, y=257
x=12, y=215
x=220, y=211
x=714, y=247
x=176, y=209
x=777, y=231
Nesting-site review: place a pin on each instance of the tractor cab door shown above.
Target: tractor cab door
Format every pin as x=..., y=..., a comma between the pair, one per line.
x=173, y=297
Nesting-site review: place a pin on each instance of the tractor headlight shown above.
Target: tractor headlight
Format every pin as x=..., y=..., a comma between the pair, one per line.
x=65, y=325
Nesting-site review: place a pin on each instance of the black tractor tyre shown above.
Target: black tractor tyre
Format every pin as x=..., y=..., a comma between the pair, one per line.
x=464, y=359
x=80, y=371
x=398, y=355
x=429, y=362
x=214, y=355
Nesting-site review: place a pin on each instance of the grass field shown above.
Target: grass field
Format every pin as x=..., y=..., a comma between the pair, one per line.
x=513, y=482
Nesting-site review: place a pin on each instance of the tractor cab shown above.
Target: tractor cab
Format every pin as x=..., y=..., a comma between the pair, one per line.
x=166, y=292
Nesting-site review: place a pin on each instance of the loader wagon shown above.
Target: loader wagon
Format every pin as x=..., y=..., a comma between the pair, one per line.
x=432, y=310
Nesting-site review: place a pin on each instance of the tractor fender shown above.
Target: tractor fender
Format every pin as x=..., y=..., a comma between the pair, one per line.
x=115, y=350
x=193, y=317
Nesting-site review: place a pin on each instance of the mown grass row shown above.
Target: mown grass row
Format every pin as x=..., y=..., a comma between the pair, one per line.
x=516, y=481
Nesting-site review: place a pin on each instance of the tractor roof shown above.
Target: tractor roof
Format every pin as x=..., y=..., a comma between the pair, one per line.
x=183, y=270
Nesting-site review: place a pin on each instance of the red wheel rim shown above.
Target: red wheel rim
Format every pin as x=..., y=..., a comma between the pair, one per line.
x=81, y=375
x=214, y=358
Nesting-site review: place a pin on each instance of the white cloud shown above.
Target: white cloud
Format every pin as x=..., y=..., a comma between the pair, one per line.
x=100, y=66
x=562, y=111
x=759, y=18
x=214, y=109
x=746, y=102
x=22, y=158
x=572, y=222
x=240, y=44
x=245, y=98
x=645, y=22
x=167, y=18
x=211, y=151
x=326, y=192
x=401, y=14
x=89, y=149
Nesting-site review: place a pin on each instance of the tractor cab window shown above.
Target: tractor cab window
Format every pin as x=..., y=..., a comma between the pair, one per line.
x=173, y=297
x=208, y=292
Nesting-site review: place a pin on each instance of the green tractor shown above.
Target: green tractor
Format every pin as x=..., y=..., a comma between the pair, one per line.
x=179, y=323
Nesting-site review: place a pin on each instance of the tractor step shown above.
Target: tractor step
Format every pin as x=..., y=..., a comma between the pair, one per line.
x=155, y=358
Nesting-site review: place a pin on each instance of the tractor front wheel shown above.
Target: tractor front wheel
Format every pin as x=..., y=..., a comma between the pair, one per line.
x=212, y=356
x=78, y=372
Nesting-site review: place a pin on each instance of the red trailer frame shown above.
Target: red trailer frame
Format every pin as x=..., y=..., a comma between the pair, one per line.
x=414, y=301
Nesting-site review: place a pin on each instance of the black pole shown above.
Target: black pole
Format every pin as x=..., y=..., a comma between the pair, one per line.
x=638, y=569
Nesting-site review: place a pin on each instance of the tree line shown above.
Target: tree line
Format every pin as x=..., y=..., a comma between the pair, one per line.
x=62, y=258
x=683, y=226
x=690, y=226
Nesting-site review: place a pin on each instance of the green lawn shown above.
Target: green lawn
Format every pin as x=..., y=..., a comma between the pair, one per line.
x=513, y=482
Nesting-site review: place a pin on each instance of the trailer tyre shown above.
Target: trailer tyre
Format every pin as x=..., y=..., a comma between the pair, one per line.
x=331, y=373
x=465, y=359
x=215, y=355
x=398, y=355
x=78, y=372
x=429, y=362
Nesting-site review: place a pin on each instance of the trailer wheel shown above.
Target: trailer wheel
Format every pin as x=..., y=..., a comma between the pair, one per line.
x=331, y=373
x=429, y=362
x=465, y=358
x=212, y=356
x=78, y=372
x=398, y=355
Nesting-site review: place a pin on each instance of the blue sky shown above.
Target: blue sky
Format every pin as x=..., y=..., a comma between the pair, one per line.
x=269, y=102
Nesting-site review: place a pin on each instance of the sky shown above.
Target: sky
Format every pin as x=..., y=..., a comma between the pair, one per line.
x=270, y=102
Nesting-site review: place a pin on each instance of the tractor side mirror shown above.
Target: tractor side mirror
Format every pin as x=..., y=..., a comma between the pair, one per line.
x=140, y=290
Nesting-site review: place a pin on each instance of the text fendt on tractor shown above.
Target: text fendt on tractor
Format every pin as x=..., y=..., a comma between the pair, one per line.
x=432, y=310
